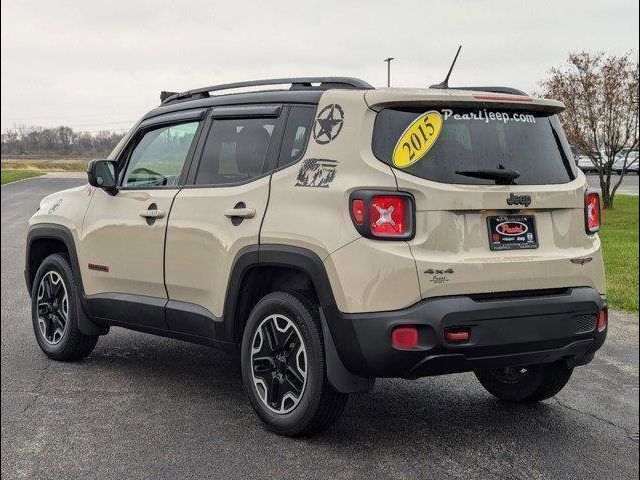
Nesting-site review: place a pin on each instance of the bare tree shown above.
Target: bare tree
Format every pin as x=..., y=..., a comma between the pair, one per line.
x=24, y=140
x=601, y=119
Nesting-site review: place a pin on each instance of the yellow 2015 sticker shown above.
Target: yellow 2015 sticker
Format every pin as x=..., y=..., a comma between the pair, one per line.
x=417, y=139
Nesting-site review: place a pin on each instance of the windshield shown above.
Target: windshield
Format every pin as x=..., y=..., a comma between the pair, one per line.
x=474, y=146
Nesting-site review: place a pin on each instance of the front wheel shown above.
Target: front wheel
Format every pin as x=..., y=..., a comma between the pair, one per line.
x=525, y=384
x=54, y=303
x=283, y=366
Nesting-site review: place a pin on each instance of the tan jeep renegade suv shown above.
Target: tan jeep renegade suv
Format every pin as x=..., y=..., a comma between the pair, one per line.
x=333, y=233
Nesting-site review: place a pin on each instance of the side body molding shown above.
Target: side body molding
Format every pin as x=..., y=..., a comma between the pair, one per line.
x=193, y=323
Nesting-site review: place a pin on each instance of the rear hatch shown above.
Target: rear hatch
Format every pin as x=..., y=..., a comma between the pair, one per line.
x=499, y=200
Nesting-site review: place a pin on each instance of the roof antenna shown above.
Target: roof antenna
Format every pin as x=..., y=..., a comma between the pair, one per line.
x=445, y=82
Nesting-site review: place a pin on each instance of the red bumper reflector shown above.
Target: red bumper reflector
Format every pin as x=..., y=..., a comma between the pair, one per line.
x=404, y=337
x=603, y=320
x=459, y=335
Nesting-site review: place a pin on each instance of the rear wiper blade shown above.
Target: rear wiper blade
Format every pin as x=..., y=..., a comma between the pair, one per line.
x=502, y=176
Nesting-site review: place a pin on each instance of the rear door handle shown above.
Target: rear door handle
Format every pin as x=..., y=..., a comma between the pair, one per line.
x=240, y=213
x=152, y=214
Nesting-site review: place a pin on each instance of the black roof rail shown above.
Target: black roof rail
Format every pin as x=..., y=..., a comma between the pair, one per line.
x=506, y=90
x=297, y=83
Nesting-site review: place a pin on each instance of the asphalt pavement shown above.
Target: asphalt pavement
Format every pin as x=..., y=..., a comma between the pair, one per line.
x=146, y=407
x=629, y=185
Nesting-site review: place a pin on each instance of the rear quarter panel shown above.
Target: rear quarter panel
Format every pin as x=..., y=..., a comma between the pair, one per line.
x=364, y=275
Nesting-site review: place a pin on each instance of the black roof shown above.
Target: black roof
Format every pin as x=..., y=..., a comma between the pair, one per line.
x=311, y=97
x=303, y=90
x=297, y=83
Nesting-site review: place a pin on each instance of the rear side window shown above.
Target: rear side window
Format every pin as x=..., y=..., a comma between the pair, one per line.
x=471, y=140
x=296, y=135
x=158, y=157
x=235, y=151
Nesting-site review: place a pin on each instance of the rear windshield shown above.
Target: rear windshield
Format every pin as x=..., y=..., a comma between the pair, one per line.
x=453, y=145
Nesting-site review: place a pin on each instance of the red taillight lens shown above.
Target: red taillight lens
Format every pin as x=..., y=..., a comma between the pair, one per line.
x=603, y=319
x=382, y=215
x=404, y=337
x=357, y=211
x=592, y=212
x=388, y=217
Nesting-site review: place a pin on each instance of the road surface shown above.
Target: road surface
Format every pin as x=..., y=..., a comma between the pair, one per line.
x=147, y=407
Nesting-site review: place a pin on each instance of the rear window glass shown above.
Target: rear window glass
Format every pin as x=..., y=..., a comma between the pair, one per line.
x=463, y=144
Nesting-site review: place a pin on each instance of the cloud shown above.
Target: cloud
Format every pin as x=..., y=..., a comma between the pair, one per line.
x=103, y=64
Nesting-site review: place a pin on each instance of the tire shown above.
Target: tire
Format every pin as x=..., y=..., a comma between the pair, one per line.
x=55, y=322
x=285, y=378
x=528, y=384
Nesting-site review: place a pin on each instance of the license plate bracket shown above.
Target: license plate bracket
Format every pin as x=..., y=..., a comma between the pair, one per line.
x=512, y=232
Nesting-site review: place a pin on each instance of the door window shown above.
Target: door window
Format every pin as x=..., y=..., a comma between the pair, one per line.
x=235, y=151
x=296, y=135
x=158, y=157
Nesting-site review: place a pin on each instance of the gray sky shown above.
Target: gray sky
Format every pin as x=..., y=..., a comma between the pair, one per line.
x=93, y=65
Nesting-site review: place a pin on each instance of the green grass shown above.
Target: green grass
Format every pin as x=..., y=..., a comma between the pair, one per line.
x=619, y=235
x=47, y=165
x=9, y=176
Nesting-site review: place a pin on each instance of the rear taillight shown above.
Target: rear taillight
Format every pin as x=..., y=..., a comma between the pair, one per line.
x=603, y=319
x=383, y=215
x=592, y=212
x=357, y=211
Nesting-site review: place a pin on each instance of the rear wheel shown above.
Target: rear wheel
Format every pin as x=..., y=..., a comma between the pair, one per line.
x=283, y=366
x=526, y=384
x=54, y=303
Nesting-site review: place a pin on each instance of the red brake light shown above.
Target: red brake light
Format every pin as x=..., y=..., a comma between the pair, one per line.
x=592, y=212
x=404, y=337
x=357, y=210
x=382, y=215
x=388, y=217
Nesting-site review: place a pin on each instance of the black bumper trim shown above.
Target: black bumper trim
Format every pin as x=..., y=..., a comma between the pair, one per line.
x=504, y=332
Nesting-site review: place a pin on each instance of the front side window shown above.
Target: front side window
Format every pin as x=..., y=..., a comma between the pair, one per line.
x=235, y=151
x=158, y=158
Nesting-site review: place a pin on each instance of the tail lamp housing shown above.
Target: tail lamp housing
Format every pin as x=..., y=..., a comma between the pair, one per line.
x=383, y=215
x=592, y=213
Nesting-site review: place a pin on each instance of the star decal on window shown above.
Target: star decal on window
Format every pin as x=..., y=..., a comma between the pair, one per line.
x=328, y=124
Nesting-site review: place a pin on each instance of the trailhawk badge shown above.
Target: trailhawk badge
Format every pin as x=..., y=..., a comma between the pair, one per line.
x=328, y=124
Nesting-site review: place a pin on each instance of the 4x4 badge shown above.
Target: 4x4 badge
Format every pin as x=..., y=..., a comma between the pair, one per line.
x=328, y=124
x=439, y=275
x=519, y=200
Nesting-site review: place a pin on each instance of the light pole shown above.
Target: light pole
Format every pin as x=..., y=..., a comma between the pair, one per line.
x=388, y=60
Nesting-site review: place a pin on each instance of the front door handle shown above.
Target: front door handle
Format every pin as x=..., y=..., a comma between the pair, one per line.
x=154, y=214
x=240, y=213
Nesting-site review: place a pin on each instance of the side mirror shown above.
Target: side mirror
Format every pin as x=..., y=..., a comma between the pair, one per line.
x=102, y=174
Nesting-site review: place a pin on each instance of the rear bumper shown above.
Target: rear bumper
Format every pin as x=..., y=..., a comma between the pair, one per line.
x=507, y=331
